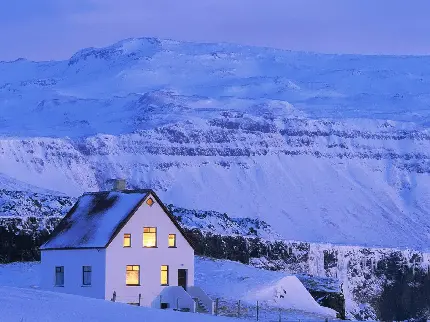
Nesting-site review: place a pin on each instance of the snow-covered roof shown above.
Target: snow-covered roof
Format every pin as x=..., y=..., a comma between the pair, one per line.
x=97, y=217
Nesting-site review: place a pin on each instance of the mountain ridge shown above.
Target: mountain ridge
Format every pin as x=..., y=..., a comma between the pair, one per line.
x=325, y=148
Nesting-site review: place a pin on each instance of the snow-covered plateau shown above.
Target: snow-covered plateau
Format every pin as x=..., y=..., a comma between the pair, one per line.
x=326, y=148
x=329, y=151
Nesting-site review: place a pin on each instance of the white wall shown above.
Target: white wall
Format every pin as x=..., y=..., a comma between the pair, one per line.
x=176, y=298
x=149, y=259
x=73, y=260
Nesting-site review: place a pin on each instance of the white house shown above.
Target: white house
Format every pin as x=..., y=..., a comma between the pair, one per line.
x=123, y=245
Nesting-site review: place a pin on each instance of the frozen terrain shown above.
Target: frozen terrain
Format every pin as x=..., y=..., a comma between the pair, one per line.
x=216, y=277
x=20, y=304
x=325, y=148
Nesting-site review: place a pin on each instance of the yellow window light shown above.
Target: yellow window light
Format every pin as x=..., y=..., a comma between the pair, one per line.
x=172, y=240
x=164, y=275
x=127, y=240
x=132, y=275
x=149, y=237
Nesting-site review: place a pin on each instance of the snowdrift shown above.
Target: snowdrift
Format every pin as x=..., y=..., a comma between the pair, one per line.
x=289, y=293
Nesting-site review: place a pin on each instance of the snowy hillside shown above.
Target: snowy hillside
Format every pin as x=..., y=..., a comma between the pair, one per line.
x=324, y=148
x=20, y=204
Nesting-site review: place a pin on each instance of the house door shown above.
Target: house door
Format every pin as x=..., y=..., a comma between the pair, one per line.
x=182, y=278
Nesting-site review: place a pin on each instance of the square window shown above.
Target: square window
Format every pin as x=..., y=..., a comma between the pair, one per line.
x=59, y=276
x=172, y=240
x=150, y=202
x=86, y=275
x=132, y=275
x=164, y=275
x=149, y=237
x=127, y=240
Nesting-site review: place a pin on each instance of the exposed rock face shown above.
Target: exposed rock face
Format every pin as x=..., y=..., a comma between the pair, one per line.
x=20, y=238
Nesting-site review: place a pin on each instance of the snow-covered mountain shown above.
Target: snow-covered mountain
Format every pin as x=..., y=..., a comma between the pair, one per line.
x=324, y=148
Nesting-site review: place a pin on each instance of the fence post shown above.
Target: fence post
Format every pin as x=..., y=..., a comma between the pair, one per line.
x=177, y=303
x=257, y=310
x=238, y=308
x=113, y=296
x=160, y=301
x=140, y=296
x=279, y=314
x=216, y=306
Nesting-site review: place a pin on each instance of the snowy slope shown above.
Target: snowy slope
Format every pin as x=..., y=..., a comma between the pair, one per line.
x=216, y=278
x=22, y=204
x=56, y=307
x=338, y=141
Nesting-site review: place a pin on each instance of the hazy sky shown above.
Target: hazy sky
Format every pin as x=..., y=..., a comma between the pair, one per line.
x=55, y=29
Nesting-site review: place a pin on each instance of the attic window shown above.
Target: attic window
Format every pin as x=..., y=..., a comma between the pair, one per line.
x=172, y=240
x=127, y=240
x=149, y=237
x=132, y=275
x=150, y=202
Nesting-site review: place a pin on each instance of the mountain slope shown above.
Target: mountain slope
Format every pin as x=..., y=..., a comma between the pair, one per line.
x=325, y=148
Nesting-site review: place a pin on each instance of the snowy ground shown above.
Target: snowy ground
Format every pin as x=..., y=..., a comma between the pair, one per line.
x=229, y=281
x=22, y=305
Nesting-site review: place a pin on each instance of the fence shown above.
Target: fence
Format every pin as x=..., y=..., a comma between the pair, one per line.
x=262, y=312
x=177, y=303
x=239, y=309
x=133, y=300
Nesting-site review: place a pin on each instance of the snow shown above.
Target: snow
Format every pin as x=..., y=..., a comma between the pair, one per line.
x=20, y=305
x=290, y=293
x=227, y=280
x=11, y=184
x=235, y=281
x=94, y=219
x=220, y=223
x=324, y=148
x=24, y=204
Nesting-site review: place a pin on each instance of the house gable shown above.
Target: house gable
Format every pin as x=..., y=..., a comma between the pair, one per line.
x=150, y=218
x=148, y=259
x=97, y=218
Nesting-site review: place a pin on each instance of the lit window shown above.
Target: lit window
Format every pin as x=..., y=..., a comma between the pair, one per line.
x=132, y=275
x=149, y=237
x=150, y=202
x=86, y=275
x=127, y=240
x=164, y=275
x=172, y=240
x=59, y=276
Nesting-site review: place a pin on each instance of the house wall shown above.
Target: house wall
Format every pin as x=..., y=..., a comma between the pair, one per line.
x=73, y=260
x=149, y=259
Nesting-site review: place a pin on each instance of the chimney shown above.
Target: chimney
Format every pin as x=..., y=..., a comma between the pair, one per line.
x=116, y=184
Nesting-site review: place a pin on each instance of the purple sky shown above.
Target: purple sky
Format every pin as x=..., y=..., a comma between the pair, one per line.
x=55, y=29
